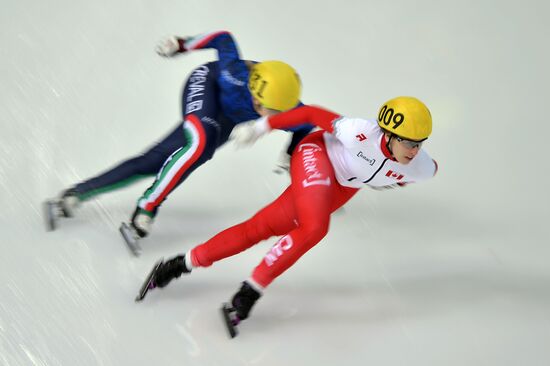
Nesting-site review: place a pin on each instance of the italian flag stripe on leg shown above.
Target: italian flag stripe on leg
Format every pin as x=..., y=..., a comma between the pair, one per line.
x=176, y=165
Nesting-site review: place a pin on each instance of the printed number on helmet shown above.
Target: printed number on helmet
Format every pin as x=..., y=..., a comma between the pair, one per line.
x=254, y=82
x=387, y=116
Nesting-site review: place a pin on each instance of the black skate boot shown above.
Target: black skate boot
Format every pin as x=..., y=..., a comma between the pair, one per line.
x=169, y=270
x=241, y=303
x=162, y=273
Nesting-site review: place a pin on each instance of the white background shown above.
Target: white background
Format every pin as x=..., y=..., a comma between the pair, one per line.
x=453, y=271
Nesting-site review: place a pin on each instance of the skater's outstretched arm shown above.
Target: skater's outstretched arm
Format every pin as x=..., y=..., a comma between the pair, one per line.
x=318, y=116
x=221, y=40
x=248, y=133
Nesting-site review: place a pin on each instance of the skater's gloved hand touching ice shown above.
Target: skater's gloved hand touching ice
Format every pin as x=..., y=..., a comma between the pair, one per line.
x=170, y=46
x=247, y=133
x=283, y=163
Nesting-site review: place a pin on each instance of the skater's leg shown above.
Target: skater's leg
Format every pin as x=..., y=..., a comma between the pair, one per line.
x=205, y=128
x=316, y=194
x=120, y=176
x=181, y=163
x=278, y=218
x=131, y=170
x=203, y=104
x=275, y=219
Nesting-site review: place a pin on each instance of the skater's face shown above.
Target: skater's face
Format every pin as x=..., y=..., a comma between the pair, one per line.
x=263, y=111
x=403, y=150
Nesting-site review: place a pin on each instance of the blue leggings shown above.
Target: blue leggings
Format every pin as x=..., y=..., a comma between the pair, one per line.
x=188, y=146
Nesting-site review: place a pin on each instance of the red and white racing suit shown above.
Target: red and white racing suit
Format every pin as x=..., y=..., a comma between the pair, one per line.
x=327, y=168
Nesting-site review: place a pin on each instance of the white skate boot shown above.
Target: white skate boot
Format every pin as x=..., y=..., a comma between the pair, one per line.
x=64, y=206
x=139, y=227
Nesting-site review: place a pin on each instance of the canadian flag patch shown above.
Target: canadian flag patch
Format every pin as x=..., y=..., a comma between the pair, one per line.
x=395, y=175
x=361, y=137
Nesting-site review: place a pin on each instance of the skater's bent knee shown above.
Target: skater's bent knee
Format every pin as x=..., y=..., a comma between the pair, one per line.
x=257, y=229
x=314, y=233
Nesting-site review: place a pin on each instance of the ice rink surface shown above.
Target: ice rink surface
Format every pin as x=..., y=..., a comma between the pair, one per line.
x=453, y=271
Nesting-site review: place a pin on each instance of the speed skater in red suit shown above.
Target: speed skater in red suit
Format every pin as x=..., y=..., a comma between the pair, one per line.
x=327, y=168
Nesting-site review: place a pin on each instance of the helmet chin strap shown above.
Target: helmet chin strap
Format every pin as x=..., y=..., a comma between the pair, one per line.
x=388, y=145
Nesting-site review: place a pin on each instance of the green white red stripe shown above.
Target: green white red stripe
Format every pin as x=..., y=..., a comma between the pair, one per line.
x=201, y=40
x=176, y=165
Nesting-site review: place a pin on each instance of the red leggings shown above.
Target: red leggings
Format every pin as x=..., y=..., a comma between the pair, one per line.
x=301, y=214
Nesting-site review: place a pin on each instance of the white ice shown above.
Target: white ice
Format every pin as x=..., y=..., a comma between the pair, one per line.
x=453, y=271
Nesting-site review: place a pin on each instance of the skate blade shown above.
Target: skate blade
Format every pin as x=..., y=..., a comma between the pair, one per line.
x=229, y=323
x=147, y=284
x=130, y=238
x=50, y=215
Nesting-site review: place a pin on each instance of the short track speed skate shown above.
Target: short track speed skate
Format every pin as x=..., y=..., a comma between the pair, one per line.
x=230, y=319
x=149, y=283
x=53, y=210
x=131, y=238
x=64, y=206
x=239, y=309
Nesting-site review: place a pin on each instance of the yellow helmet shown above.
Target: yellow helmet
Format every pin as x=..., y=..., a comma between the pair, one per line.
x=275, y=84
x=406, y=117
